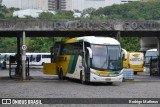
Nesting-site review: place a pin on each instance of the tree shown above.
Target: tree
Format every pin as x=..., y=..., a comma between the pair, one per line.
x=46, y=15
x=8, y=45
x=88, y=11
x=131, y=11
x=130, y=43
x=64, y=13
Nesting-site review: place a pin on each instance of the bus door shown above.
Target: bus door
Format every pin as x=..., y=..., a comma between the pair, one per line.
x=34, y=59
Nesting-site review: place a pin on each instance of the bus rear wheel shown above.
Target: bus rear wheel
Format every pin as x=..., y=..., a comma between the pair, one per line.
x=60, y=75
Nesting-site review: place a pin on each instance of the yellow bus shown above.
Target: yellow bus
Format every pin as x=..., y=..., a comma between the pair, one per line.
x=133, y=60
x=89, y=59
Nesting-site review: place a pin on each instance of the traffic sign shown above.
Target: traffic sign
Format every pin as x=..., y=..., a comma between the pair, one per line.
x=24, y=47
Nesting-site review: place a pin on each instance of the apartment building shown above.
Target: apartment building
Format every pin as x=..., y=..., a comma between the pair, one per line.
x=43, y=5
x=57, y=4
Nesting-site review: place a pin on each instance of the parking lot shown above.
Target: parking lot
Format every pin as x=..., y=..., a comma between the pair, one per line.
x=45, y=86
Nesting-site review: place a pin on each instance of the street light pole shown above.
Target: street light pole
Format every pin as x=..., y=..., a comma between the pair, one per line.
x=24, y=56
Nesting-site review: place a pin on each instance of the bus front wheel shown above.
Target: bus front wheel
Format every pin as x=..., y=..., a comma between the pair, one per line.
x=135, y=73
x=109, y=83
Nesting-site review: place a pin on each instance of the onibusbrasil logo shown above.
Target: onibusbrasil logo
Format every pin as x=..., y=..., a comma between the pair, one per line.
x=21, y=101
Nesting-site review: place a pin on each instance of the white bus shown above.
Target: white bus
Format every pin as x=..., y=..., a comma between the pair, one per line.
x=35, y=59
x=89, y=59
x=38, y=59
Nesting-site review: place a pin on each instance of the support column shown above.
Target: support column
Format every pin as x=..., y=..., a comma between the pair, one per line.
x=118, y=35
x=24, y=56
x=17, y=72
x=158, y=46
x=158, y=50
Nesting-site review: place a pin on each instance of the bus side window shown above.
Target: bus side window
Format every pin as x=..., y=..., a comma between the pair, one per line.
x=38, y=58
x=31, y=58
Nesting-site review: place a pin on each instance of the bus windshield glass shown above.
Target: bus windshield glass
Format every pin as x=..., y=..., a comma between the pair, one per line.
x=106, y=57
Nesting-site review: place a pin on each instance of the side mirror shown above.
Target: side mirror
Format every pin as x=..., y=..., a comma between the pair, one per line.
x=90, y=52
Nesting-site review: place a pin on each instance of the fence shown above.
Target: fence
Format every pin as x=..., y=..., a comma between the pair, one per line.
x=153, y=64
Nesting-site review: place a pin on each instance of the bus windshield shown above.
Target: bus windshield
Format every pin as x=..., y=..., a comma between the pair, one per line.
x=106, y=57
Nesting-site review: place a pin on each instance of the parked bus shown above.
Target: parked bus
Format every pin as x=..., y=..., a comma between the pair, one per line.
x=38, y=59
x=89, y=59
x=35, y=59
x=133, y=60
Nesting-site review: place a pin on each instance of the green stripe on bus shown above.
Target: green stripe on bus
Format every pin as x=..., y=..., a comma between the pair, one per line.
x=115, y=72
x=72, y=64
x=79, y=40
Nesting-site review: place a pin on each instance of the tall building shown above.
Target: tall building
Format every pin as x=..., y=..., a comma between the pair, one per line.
x=52, y=5
x=68, y=5
x=21, y=4
x=43, y=5
x=57, y=4
x=62, y=4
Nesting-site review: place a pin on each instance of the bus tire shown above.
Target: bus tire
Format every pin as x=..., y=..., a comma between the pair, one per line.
x=60, y=75
x=82, y=79
x=109, y=83
x=135, y=73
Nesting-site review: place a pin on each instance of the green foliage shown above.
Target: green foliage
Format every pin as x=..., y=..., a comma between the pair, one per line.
x=89, y=11
x=131, y=44
x=46, y=15
x=64, y=13
x=131, y=11
x=8, y=45
x=60, y=14
x=42, y=44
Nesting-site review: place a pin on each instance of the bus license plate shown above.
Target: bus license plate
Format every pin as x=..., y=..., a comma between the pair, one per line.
x=108, y=79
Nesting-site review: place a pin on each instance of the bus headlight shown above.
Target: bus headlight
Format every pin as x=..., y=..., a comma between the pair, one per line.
x=92, y=71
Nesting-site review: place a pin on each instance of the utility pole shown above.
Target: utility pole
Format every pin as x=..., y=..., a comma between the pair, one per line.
x=158, y=50
x=24, y=56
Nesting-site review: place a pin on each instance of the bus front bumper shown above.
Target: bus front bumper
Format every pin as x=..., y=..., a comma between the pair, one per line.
x=97, y=78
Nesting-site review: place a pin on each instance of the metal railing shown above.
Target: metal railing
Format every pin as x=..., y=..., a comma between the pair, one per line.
x=17, y=69
x=153, y=64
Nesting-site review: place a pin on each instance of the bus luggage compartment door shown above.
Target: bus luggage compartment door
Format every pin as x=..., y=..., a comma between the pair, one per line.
x=49, y=68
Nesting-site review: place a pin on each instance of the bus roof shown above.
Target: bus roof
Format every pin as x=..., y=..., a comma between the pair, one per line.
x=29, y=53
x=94, y=40
x=152, y=50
